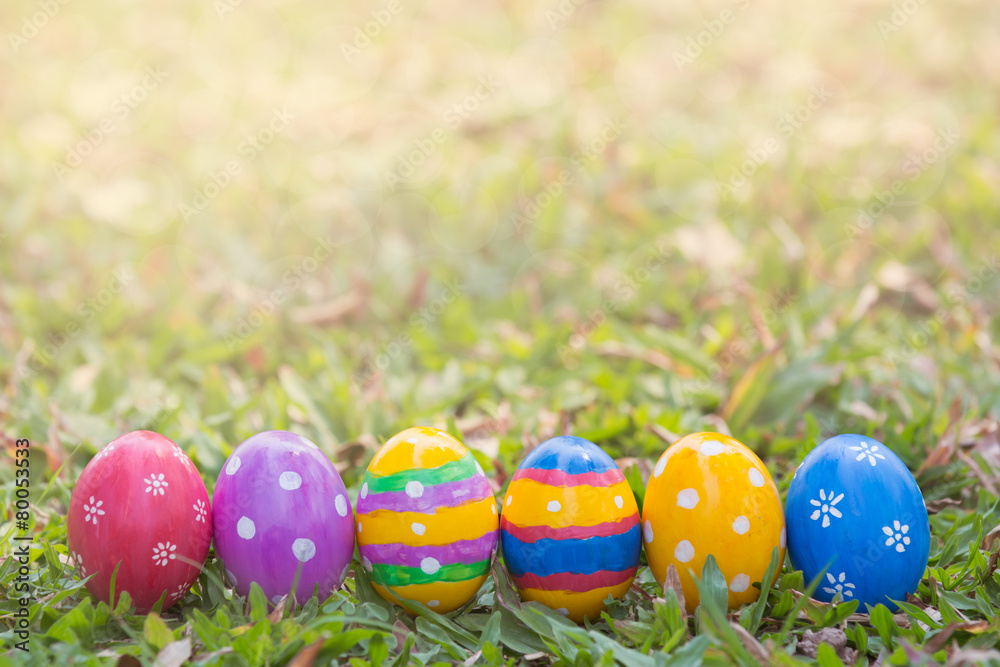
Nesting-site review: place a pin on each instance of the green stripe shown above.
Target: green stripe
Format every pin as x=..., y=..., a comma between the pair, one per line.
x=449, y=472
x=400, y=575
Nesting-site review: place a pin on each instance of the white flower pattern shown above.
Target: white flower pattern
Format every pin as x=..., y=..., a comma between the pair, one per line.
x=78, y=560
x=179, y=454
x=164, y=553
x=93, y=510
x=104, y=451
x=897, y=535
x=156, y=484
x=839, y=585
x=871, y=451
x=200, y=511
x=826, y=507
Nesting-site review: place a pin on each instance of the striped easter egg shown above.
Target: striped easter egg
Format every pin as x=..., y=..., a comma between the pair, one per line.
x=570, y=531
x=426, y=520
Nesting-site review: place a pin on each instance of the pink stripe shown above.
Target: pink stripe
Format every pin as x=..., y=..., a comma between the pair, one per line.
x=535, y=533
x=577, y=583
x=561, y=478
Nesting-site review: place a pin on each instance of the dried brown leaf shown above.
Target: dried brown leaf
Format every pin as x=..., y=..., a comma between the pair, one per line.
x=948, y=443
x=935, y=506
x=279, y=611
x=756, y=649
x=834, y=637
x=174, y=654
x=673, y=581
x=307, y=656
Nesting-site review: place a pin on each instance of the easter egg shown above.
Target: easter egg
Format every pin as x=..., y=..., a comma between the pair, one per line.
x=427, y=520
x=282, y=518
x=569, y=530
x=141, y=507
x=854, y=508
x=709, y=494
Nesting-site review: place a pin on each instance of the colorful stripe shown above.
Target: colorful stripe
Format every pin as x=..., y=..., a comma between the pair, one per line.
x=545, y=557
x=464, y=551
x=562, y=478
x=578, y=605
x=449, y=472
x=468, y=521
x=569, y=581
x=578, y=505
x=569, y=454
x=398, y=575
x=535, y=533
x=448, y=494
x=445, y=596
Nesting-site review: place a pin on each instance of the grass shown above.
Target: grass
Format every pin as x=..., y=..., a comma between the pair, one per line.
x=510, y=221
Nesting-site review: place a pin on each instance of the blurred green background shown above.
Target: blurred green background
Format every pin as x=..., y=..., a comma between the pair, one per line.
x=520, y=217
x=627, y=220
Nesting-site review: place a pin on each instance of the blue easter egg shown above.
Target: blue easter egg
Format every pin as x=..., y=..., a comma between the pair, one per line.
x=854, y=506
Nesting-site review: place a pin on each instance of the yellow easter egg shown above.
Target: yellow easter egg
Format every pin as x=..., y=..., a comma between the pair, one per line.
x=710, y=494
x=427, y=522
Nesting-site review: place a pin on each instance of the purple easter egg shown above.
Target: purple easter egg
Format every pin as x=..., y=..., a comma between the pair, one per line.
x=281, y=512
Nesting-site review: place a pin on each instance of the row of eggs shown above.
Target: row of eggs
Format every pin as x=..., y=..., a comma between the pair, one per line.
x=427, y=526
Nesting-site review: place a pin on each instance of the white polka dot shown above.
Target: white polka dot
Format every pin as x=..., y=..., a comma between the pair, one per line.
x=688, y=499
x=365, y=563
x=740, y=583
x=231, y=577
x=620, y=502
x=783, y=538
x=429, y=565
x=660, y=465
x=684, y=551
x=359, y=526
x=563, y=610
x=756, y=478
x=433, y=603
x=233, y=465
x=308, y=443
x=741, y=525
x=364, y=490
x=289, y=480
x=245, y=528
x=712, y=447
x=411, y=441
x=647, y=532
x=418, y=528
x=479, y=469
x=304, y=549
x=494, y=508
x=509, y=498
x=414, y=489
x=553, y=506
x=341, y=502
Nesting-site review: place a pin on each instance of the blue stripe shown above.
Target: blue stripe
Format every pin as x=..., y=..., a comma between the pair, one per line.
x=547, y=556
x=570, y=454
